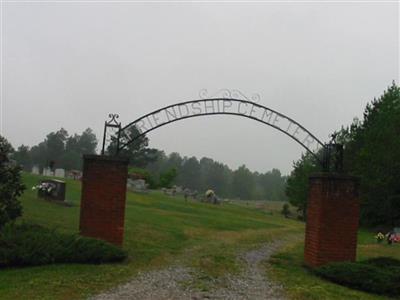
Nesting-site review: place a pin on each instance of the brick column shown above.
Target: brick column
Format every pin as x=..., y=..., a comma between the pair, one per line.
x=103, y=198
x=332, y=219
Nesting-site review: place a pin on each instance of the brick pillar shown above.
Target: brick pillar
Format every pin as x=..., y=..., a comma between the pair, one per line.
x=103, y=198
x=332, y=219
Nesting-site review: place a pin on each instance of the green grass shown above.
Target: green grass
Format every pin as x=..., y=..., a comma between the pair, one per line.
x=270, y=207
x=159, y=230
x=300, y=283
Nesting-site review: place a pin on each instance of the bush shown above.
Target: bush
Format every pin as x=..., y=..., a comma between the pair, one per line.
x=11, y=186
x=285, y=210
x=167, y=178
x=30, y=245
x=147, y=176
x=379, y=275
x=383, y=262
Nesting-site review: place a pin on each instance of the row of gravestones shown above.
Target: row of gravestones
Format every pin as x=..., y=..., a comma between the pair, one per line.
x=48, y=172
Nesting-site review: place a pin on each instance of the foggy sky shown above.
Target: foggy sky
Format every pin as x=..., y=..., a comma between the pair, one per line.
x=71, y=64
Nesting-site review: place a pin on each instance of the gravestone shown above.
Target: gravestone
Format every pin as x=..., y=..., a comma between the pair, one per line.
x=52, y=189
x=47, y=172
x=59, y=173
x=138, y=184
x=35, y=170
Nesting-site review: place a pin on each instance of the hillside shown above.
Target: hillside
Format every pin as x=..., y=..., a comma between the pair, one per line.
x=159, y=230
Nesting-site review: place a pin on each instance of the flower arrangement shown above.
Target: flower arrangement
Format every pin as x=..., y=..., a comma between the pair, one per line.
x=45, y=188
x=210, y=193
x=379, y=237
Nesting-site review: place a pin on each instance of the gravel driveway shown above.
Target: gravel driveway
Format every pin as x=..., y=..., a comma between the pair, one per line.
x=177, y=282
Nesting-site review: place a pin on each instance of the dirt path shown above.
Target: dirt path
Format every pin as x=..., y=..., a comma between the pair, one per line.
x=177, y=282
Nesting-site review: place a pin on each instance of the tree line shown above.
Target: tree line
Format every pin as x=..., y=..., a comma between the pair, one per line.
x=371, y=153
x=207, y=174
x=58, y=150
x=61, y=150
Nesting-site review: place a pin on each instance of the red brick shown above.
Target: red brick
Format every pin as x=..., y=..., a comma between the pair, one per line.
x=332, y=219
x=103, y=198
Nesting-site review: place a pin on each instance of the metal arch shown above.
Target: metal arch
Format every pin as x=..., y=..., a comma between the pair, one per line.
x=291, y=122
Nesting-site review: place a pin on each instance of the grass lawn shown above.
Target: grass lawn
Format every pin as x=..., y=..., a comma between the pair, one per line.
x=158, y=230
x=287, y=267
x=161, y=229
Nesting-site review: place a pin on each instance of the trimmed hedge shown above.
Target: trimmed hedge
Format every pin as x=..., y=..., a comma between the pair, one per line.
x=30, y=245
x=382, y=262
x=378, y=275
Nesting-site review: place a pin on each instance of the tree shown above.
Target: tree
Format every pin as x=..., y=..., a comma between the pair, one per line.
x=55, y=142
x=71, y=160
x=39, y=155
x=243, y=183
x=297, y=182
x=209, y=174
x=272, y=185
x=157, y=166
x=174, y=160
x=76, y=146
x=372, y=153
x=285, y=210
x=214, y=176
x=58, y=147
x=219, y=179
x=23, y=158
x=138, y=152
x=167, y=178
x=72, y=143
x=206, y=168
x=87, y=142
x=189, y=174
x=11, y=186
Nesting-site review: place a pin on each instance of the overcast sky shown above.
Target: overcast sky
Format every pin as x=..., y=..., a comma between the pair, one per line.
x=70, y=64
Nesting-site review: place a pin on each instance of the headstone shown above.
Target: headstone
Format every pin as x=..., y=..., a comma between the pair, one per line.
x=138, y=184
x=52, y=189
x=59, y=173
x=47, y=172
x=35, y=170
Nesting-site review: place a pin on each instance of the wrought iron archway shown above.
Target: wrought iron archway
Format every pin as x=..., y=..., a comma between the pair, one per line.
x=329, y=155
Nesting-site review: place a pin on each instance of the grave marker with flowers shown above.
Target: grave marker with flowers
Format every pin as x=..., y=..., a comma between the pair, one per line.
x=51, y=189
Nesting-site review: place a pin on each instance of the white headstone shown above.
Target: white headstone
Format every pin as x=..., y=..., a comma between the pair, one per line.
x=35, y=170
x=47, y=172
x=138, y=184
x=59, y=173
